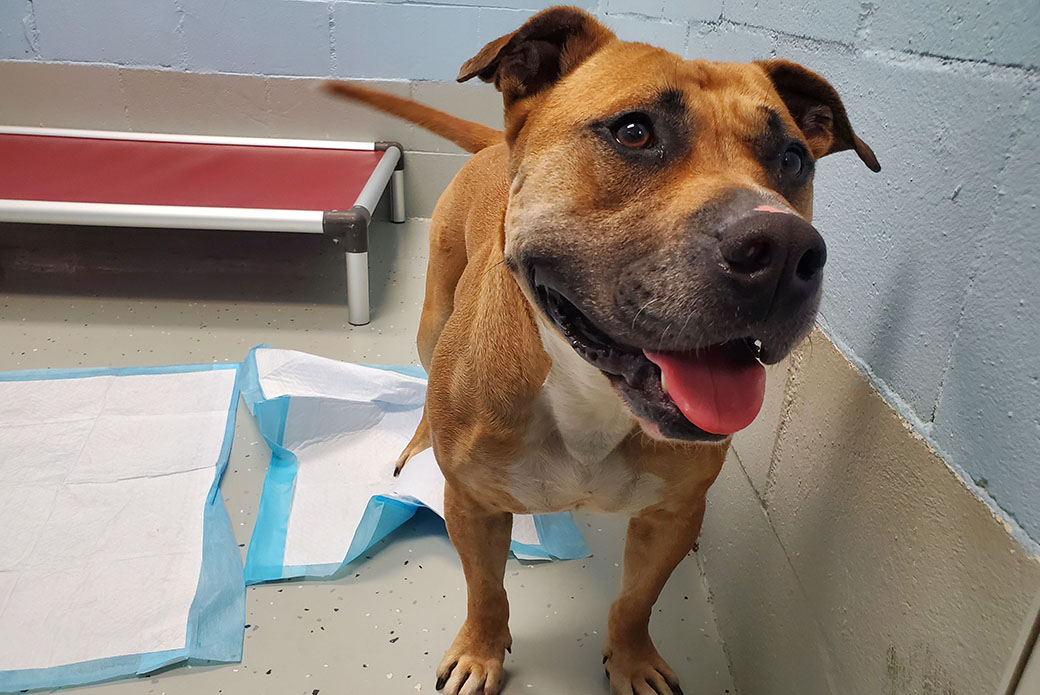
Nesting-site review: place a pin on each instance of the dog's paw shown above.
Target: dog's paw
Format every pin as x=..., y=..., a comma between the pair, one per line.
x=641, y=671
x=473, y=666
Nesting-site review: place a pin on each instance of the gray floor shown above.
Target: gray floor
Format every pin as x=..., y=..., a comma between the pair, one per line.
x=99, y=297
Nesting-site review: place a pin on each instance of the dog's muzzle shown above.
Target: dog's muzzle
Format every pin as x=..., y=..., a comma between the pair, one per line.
x=766, y=273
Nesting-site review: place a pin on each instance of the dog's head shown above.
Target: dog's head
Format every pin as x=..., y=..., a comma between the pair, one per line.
x=659, y=214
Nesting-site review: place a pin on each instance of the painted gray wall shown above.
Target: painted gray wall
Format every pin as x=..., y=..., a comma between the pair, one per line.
x=932, y=285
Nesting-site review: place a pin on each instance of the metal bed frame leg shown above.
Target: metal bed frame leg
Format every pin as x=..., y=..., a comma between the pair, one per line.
x=349, y=228
x=357, y=288
x=396, y=180
x=397, y=196
x=349, y=231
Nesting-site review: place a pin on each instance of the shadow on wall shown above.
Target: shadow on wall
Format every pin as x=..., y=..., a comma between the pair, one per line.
x=887, y=312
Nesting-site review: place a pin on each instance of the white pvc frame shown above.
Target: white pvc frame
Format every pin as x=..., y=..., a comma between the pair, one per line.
x=160, y=216
x=386, y=173
x=180, y=137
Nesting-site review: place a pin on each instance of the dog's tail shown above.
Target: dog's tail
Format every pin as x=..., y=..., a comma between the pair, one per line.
x=468, y=135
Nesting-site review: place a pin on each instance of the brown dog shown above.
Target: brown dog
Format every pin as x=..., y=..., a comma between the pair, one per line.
x=605, y=282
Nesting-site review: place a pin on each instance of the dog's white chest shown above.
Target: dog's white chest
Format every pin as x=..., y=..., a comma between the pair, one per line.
x=549, y=480
x=570, y=458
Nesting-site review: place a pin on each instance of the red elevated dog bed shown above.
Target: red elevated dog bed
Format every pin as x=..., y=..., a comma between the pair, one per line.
x=203, y=182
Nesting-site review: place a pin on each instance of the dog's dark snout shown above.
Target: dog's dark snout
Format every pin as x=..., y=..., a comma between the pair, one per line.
x=749, y=255
x=811, y=262
x=773, y=259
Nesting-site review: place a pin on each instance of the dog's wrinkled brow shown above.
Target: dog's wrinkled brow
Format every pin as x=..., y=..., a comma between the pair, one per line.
x=670, y=100
x=773, y=136
x=669, y=103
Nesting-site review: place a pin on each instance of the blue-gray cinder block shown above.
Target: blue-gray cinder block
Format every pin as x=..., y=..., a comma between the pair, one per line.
x=729, y=42
x=261, y=37
x=394, y=41
x=670, y=36
x=533, y=5
x=996, y=31
x=647, y=8
x=837, y=20
x=988, y=418
x=701, y=10
x=15, y=30
x=127, y=32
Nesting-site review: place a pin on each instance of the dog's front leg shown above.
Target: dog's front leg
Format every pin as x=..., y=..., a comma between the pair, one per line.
x=473, y=663
x=658, y=539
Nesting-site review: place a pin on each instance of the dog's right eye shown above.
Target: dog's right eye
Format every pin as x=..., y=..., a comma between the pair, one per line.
x=634, y=132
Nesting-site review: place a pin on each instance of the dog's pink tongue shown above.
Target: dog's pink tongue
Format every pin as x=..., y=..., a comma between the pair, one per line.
x=715, y=392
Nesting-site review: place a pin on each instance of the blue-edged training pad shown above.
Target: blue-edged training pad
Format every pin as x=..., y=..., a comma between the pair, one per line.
x=335, y=430
x=116, y=556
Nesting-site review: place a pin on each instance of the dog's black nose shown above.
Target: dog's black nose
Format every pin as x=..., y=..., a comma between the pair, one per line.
x=773, y=261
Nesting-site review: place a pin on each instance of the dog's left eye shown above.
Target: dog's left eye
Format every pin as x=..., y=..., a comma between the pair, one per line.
x=634, y=132
x=792, y=163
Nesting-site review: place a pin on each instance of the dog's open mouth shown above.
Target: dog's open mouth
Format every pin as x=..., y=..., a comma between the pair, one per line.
x=704, y=394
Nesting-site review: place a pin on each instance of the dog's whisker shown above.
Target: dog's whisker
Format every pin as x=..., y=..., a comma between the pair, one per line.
x=636, y=317
x=682, y=331
x=488, y=270
x=660, y=342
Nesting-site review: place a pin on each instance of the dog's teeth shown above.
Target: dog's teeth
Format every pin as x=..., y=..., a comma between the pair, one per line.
x=663, y=386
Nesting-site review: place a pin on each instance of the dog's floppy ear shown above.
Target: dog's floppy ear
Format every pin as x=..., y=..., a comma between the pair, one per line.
x=817, y=109
x=547, y=47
